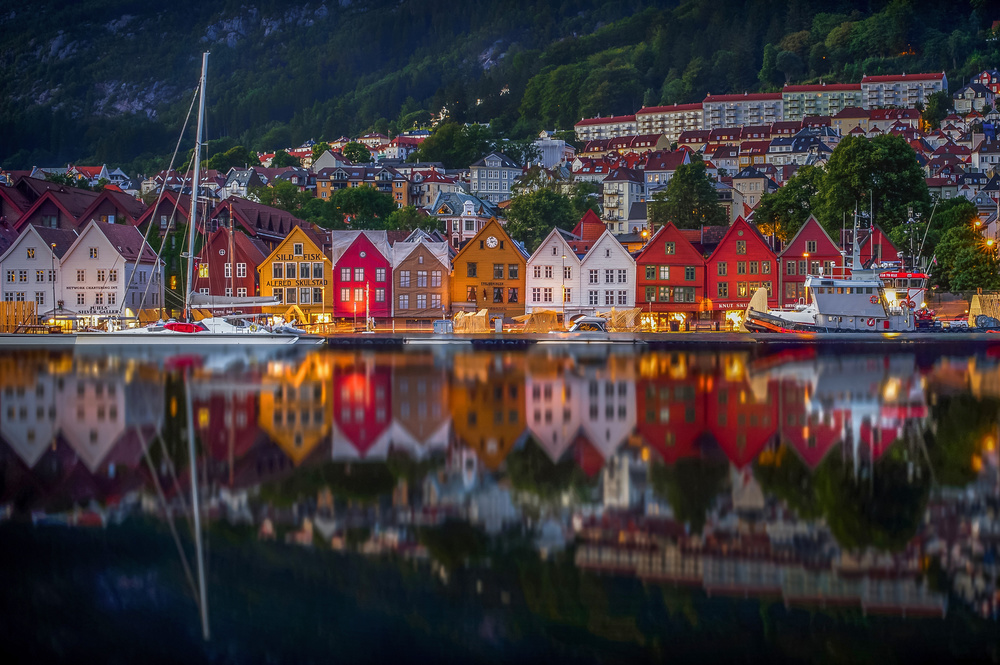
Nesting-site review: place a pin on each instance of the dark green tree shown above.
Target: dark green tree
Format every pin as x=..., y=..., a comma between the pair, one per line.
x=282, y=158
x=533, y=215
x=789, y=479
x=357, y=153
x=690, y=200
x=790, y=65
x=883, y=170
x=585, y=196
x=410, y=218
x=691, y=487
x=782, y=213
x=282, y=194
x=938, y=106
x=882, y=511
x=965, y=427
x=530, y=470
x=236, y=157
x=362, y=207
x=319, y=148
x=966, y=261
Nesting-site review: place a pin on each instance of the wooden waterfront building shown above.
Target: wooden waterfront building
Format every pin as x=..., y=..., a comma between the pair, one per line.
x=489, y=274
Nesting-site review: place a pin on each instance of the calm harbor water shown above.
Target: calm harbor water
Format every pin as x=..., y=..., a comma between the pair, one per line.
x=586, y=506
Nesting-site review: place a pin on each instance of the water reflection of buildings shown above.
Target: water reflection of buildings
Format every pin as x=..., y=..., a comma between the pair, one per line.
x=78, y=423
x=795, y=562
x=612, y=418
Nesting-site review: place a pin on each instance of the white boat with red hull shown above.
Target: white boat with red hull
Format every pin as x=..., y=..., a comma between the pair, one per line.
x=862, y=301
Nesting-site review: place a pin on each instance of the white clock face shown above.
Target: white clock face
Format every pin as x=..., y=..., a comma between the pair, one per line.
x=491, y=241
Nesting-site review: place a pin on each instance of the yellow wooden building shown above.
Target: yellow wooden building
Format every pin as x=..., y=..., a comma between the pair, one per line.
x=299, y=275
x=295, y=407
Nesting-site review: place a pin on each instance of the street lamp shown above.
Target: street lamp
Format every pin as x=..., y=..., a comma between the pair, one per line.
x=52, y=276
x=563, y=283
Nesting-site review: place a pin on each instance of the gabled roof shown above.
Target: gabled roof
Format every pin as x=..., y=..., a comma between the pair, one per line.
x=127, y=240
x=72, y=201
x=739, y=223
x=453, y=203
x=173, y=198
x=131, y=207
x=667, y=161
x=568, y=251
x=607, y=237
x=492, y=226
x=624, y=174
x=439, y=250
x=505, y=161
x=343, y=240
x=802, y=229
x=256, y=217
x=662, y=233
x=589, y=228
x=57, y=240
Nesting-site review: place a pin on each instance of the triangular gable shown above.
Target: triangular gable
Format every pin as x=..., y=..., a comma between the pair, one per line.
x=608, y=240
x=567, y=251
x=802, y=229
x=590, y=227
x=297, y=234
x=492, y=227
x=137, y=210
x=51, y=195
x=668, y=233
x=735, y=227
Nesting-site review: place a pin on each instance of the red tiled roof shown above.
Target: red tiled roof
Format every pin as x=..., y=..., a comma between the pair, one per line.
x=822, y=87
x=746, y=97
x=128, y=241
x=900, y=77
x=647, y=110
x=606, y=121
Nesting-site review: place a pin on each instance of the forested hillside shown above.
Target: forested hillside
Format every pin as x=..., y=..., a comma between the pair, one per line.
x=110, y=81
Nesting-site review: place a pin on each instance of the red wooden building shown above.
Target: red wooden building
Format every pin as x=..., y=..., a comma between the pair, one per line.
x=875, y=247
x=806, y=253
x=362, y=275
x=740, y=264
x=227, y=265
x=362, y=410
x=741, y=417
x=671, y=413
x=670, y=280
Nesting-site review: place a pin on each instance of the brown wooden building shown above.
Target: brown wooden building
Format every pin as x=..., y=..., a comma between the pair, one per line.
x=421, y=275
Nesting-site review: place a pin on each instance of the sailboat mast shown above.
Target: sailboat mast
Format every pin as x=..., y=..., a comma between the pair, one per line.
x=194, y=186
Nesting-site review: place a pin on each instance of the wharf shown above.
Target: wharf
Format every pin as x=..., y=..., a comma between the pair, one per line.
x=677, y=340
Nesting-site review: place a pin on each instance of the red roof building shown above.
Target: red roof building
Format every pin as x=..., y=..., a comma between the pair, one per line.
x=810, y=250
x=742, y=263
x=670, y=280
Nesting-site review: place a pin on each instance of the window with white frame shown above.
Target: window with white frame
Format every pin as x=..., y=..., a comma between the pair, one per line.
x=609, y=297
x=241, y=270
x=81, y=275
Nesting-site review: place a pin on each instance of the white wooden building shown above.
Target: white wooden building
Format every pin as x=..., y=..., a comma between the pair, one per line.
x=31, y=266
x=104, y=276
x=607, y=276
x=552, y=281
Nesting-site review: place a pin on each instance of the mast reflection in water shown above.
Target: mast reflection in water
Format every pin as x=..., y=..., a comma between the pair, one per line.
x=500, y=505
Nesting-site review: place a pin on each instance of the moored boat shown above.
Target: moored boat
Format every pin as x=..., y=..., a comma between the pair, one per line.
x=861, y=301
